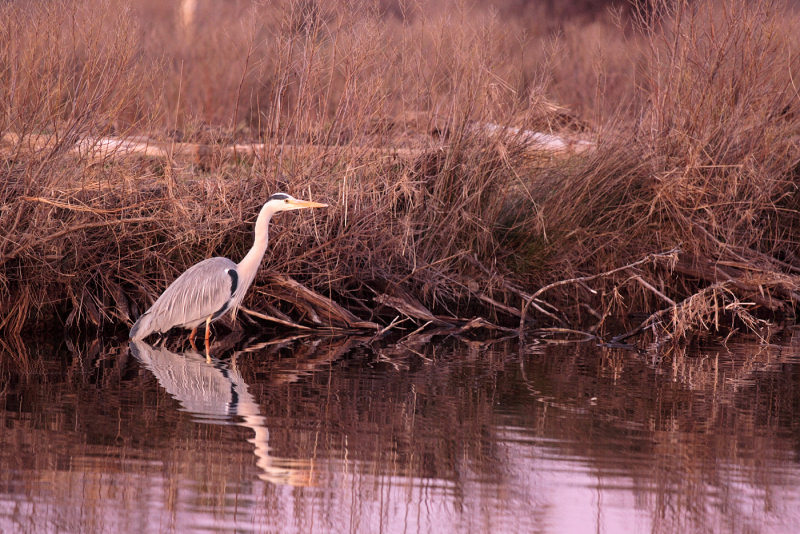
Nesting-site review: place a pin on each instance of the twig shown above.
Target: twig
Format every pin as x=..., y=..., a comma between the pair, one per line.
x=675, y=308
x=415, y=332
x=653, y=289
x=16, y=252
x=72, y=207
x=396, y=321
x=646, y=259
x=514, y=289
x=272, y=319
x=647, y=322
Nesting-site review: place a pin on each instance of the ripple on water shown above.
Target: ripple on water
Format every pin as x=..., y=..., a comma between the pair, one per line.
x=446, y=437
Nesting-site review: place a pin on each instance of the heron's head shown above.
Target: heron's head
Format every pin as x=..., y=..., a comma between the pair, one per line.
x=284, y=202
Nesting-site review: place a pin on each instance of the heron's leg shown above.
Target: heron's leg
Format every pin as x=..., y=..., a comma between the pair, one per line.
x=208, y=324
x=208, y=332
x=191, y=338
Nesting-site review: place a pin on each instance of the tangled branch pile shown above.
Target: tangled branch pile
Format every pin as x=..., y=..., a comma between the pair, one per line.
x=423, y=129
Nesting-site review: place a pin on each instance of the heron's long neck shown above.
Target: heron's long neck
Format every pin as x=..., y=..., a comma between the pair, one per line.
x=248, y=267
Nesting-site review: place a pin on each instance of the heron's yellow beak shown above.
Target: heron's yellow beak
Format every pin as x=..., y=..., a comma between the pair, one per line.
x=301, y=204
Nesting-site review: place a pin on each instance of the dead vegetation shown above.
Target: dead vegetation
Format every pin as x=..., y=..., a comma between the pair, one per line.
x=132, y=149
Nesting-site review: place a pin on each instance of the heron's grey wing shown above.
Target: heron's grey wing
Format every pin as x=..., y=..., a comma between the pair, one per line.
x=201, y=291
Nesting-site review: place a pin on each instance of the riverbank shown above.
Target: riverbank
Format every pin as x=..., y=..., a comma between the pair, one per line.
x=670, y=209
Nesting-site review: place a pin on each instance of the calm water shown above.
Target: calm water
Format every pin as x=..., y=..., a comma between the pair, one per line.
x=334, y=435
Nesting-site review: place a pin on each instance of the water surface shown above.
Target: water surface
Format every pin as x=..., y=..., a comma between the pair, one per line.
x=337, y=435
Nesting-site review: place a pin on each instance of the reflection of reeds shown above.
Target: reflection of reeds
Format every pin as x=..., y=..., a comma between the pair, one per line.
x=459, y=420
x=693, y=425
x=419, y=131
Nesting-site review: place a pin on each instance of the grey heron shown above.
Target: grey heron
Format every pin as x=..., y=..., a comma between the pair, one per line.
x=205, y=291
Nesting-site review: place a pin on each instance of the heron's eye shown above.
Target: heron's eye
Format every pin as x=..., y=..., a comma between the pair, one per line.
x=286, y=200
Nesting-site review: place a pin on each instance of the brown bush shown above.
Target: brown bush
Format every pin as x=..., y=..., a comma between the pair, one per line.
x=694, y=108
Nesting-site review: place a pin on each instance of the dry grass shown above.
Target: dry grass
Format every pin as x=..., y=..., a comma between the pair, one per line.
x=695, y=109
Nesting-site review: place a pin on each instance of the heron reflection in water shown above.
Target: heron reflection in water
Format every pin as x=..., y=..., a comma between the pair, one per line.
x=209, y=289
x=216, y=393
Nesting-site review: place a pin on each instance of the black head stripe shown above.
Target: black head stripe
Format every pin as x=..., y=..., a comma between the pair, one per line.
x=279, y=196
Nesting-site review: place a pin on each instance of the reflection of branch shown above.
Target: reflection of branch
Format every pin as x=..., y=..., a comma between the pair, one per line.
x=309, y=356
x=584, y=336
